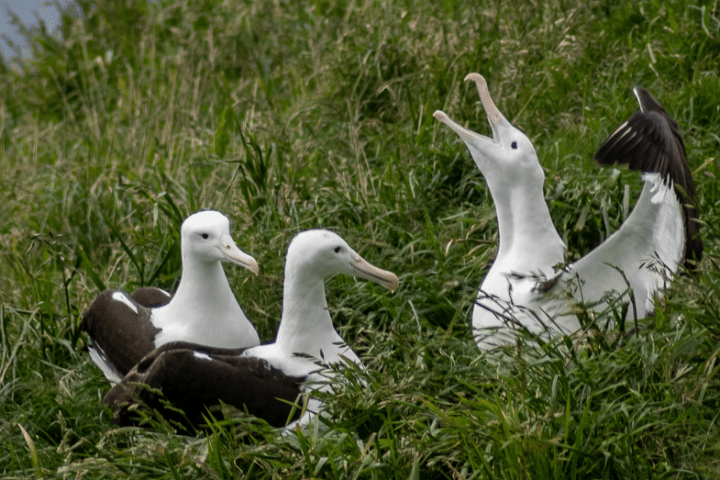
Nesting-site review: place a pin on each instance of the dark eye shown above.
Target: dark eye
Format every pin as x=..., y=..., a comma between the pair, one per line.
x=513, y=145
x=337, y=249
x=205, y=236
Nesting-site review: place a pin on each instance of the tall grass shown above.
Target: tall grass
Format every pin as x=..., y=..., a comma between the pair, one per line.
x=293, y=115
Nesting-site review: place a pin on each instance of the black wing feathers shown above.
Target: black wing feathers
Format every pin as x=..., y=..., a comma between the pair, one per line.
x=194, y=385
x=650, y=141
x=123, y=336
x=151, y=297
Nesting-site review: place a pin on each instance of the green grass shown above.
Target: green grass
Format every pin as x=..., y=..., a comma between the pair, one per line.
x=288, y=116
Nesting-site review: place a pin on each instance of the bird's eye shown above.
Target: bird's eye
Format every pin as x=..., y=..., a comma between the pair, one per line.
x=513, y=145
x=205, y=236
x=337, y=249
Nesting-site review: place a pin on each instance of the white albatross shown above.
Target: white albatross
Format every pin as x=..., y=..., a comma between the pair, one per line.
x=204, y=310
x=264, y=380
x=522, y=289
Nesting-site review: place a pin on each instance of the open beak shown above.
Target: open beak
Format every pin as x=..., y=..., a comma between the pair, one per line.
x=237, y=256
x=363, y=269
x=496, y=119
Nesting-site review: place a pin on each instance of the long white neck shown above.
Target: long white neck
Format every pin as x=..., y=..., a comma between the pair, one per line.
x=305, y=325
x=528, y=240
x=204, y=310
x=203, y=285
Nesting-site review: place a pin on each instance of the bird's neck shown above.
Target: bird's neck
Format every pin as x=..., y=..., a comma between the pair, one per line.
x=204, y=292
x=305, y=325
x=527, y=235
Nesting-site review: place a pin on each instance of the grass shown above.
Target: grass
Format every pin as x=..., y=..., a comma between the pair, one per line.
x=291, y=115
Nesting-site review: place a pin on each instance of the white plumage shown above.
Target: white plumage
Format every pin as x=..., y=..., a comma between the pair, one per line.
x=263, y=380
x=306, y=339
x=523, y=290
x=204, y=310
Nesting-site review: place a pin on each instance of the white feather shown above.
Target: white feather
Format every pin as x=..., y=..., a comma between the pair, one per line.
x=638, y=258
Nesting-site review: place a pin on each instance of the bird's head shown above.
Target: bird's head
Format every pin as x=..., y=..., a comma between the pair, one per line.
x=508, y=158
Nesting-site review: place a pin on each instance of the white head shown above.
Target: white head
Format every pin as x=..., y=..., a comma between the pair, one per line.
x=506, y=159
x=322, y=253
x=205, y=236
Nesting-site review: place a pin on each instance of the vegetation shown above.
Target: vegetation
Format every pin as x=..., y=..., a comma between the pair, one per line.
x=295, y=115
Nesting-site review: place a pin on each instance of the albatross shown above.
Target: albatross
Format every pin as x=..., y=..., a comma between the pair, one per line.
x=264, y=380
x=123, y=328
x=524, y=289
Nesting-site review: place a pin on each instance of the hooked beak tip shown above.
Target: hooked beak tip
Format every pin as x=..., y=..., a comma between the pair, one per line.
x=475, y=77
x=245, y=261
x=393, y=284
x=440, y=115
x=494, y=116
x=254, y=267
x=237, y=256
x=370, y=272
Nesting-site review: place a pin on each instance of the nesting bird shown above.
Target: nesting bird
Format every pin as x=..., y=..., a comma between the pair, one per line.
x=523, y=290
x=264, y=380
x=123, y=329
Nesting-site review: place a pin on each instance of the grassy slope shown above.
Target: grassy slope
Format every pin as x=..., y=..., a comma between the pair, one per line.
x=287, y=117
